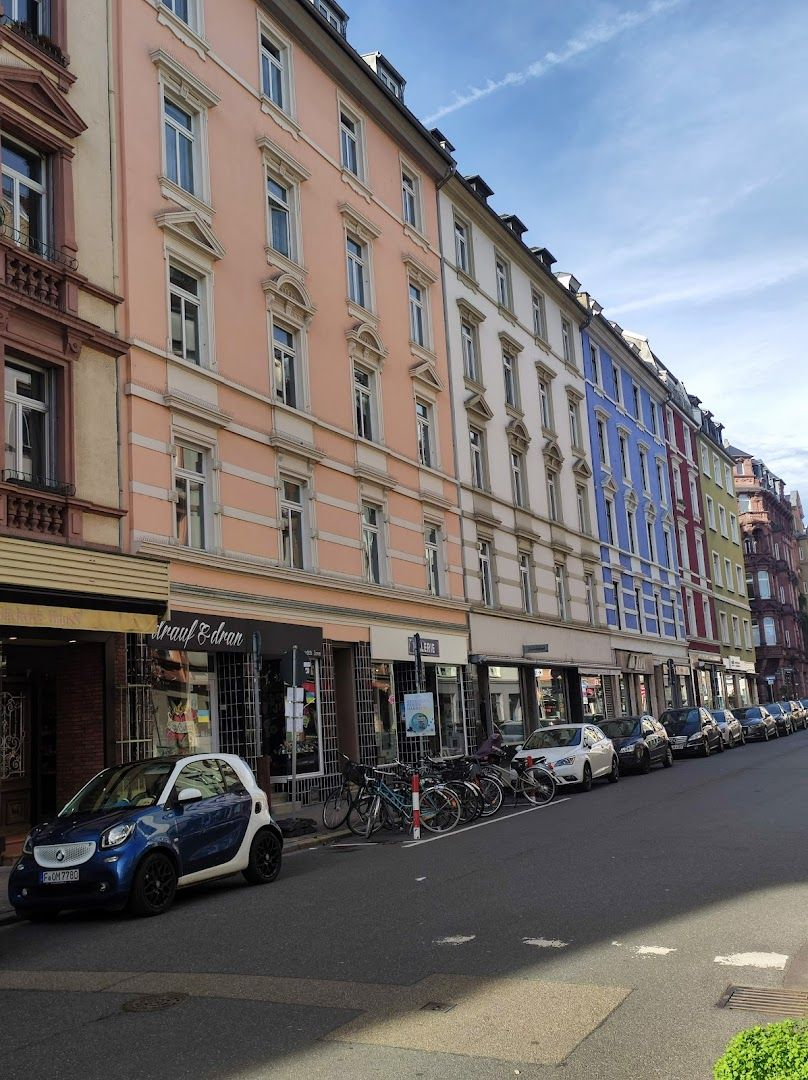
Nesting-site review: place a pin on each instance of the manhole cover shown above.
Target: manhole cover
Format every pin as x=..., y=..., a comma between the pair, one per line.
x=437, y=1006
x=153, y=1002
x=766, y=999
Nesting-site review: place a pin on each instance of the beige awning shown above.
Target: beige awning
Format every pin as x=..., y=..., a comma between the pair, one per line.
x=65, y=618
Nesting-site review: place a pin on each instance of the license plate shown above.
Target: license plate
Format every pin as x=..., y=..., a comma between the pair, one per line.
x=55, y=877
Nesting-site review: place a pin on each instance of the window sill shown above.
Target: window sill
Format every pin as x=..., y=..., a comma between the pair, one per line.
x=173, y=192
x=514, y=411
x=473, y=385
x=285, y=264
x=467, y=278
x=281, y=118
x=357, y=185
x=416, y=236
x=183, y=31
x=423, y=352
x=507, y=313
x=360, y=313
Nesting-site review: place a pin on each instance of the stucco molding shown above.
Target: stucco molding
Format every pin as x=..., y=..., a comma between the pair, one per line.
x=518, y=436
x=581, y=468
x=182, y=82
x=469, y=312
x=544, y=371
x=287, y=297
x=281, y=163
x=425, y=373
x=551, y=452
x=478, y=407
x=418, y=273
x=191, y=228
x=366, y=347
x=358, y=224
x=34, y=94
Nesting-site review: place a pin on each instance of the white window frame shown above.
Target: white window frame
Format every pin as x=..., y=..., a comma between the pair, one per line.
x=411, y=212
x=574, y=412
x=769, y=623
x=717, y=478
x=662, y=482
x=729, y=577
x=15, y=11
x=722, y=521
x=639, y=606
x=718, y=579
x=740, y=580
x=202, y=303
x=425, y=425
x=539, y=308
x=518, y=478
x=191, y=135
x=733, y=529
x=651, y=536
x=469, y=345
x=636, y=400
x=204, y=482
x=433, y=555
x=358, y=272
x=285, y=356
x=567, y=341
x=292, y=509
x=418, y=307
x=708, y=618
x=485, y=556
x=723, y=624
x=19, y=180
x=546, y=403
x=631, y=525
x=685, y=553
x=510, y=375
x=617, y=379
x=694, y=499
x=365, y=393
x=20, y=404
x=502, y=274
x=654, y=418
x=747, y=634
x=369, y=531
x=281, y=64
x=590, y=599
x=668, y=542
x=709, y=506
x=700, y=560
x=705, y=460
x=764, y=592
x=602, y=432
x=582, y=503
x=562, y=599
x=526, y=582
x=553, y=496
x=464, y=256
x=611, y=522
x=625, y=457
x=355, y=137
x=677, y=482
x=331, y=16
x=479, y=465
x=728, y=485
x=736, y=632
x=595, y=364
x=644, y=474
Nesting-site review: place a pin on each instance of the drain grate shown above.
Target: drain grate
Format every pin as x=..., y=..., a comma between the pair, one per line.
x=152, y=1002
x=766, y=999
x=437, y=1006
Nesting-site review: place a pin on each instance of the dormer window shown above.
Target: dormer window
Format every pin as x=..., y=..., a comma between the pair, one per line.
x=395, y=85
x=35, y=14
x=333, y=15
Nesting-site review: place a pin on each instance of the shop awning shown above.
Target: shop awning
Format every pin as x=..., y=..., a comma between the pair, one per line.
x=67, y=588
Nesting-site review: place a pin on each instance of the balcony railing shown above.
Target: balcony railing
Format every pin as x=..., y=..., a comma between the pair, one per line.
x=40, y=41
x=36, y=247
x=38, y=483
x=36, y=514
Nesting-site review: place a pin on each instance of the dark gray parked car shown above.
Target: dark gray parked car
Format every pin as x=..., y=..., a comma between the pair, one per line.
x=757, y=722
x=692, y=731
x=730, y=727
x=781, y=718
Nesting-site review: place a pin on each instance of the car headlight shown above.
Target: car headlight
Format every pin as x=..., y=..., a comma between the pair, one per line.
x=627, y=749
x=565, y=761
x=117, y=835
x=696, y=738
x=28, y=846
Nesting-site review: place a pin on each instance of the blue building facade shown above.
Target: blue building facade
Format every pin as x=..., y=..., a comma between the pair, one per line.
x=635, y=523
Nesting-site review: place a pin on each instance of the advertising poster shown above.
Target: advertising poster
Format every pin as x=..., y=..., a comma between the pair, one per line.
x=419, y=715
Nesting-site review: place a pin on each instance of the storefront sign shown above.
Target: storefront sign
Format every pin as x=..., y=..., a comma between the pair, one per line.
x=73, y=618
x=429, y=646
x=419, y=715
x=217, y=633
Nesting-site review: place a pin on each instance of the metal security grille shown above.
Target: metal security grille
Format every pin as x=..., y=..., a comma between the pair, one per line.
x=608, y=696
x=475, y=733
x=312, y=789
x=12, y=736
x=363, y=681
x=766, y=999
x=238, y=690
x=137, y=712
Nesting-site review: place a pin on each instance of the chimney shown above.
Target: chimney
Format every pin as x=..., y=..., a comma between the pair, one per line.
x=514, y=223
x=479, y=187
x=441, y=140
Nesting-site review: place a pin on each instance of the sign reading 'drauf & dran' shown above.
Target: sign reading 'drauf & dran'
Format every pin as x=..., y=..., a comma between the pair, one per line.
x=217, y=633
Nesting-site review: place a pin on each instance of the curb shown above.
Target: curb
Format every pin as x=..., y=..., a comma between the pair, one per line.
x=300, y=843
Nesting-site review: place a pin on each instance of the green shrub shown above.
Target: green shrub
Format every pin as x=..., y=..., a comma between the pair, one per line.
x=774, y=1052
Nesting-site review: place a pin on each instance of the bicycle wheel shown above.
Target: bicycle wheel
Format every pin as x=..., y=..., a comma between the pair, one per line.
x=492, y=795
x=374, y=818
x=337, y=807
x=538, y=786
x=471, y=799
x=440, y=809
x=358, y=814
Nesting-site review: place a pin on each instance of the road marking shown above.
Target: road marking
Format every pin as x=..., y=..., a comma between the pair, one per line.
x=482, y=824
x=455, y=939
x=652, y=950
x=545, y=943
x=420, y=879
x=754, y=959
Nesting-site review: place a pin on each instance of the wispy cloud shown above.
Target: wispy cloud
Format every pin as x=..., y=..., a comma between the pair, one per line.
x=590, y=38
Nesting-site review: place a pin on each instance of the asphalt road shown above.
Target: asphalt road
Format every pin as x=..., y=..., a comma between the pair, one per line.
x=590, y=938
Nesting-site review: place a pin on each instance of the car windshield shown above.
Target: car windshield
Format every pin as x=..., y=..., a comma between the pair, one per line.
x=774, y=709
x=139, y=784
x=678, y=721
x=621, y=728
x=719, y=715
x=548, y=738
x=749, y=713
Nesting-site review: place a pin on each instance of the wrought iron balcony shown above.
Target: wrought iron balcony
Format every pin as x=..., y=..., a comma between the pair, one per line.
x=40, y=41
x=37, y=483
x=36, y=247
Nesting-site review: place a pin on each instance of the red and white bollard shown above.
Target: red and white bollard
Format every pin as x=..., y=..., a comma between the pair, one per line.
x=416, y=806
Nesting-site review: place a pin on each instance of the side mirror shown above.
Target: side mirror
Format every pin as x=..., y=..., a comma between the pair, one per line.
x=189, y=795
x=518, y=747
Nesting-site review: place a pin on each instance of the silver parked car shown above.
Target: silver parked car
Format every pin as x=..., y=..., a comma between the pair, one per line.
x=799, y=714
x=730, y=727
x=757, y=722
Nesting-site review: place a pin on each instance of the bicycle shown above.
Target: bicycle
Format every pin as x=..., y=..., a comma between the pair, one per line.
x=480, y=796
x=533, y=779
x=339, y=803
x=440, y=809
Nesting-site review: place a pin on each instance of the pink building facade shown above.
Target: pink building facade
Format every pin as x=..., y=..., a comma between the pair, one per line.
x=286, y=422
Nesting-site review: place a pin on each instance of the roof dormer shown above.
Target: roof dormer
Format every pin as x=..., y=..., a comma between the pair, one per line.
x=479, y=187
x=514, y=223
x=392, y=79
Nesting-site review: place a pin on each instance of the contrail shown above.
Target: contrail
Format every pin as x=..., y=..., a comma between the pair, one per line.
x=588, y=39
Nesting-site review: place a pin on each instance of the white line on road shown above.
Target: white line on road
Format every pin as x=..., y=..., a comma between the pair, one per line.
x=420, y=879
x=652, y=950
x=754, y=959
x=545, y=943
x=482, y=824
x=455, y=939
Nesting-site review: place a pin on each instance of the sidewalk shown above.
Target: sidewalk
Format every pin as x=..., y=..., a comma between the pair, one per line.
x=290, y=844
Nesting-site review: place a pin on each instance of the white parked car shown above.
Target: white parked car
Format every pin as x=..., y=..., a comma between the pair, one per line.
x=579, y=753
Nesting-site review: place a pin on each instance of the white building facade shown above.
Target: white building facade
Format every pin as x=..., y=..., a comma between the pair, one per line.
x=538, y=632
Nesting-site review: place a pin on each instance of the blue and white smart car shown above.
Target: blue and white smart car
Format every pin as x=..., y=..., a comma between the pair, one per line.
x=136, y=833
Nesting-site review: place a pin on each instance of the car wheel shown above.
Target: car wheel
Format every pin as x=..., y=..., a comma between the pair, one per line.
x=614, y=773
x=667, y=761
x=586, y=783
x=265, y=858
x=154, y=886
x=720, y=746
x=743, y=739
x=777, y=731
x=645, y=762
x=767, y=736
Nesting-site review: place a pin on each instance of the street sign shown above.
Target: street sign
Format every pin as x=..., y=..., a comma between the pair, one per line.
x=429, y=646
x=770, y=679
x=527, y=649
x=305, y=668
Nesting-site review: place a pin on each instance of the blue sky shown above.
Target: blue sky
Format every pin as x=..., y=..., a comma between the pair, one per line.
x=658, y=148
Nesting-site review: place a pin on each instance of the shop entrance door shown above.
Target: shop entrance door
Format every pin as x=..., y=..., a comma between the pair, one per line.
x=15, y=756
